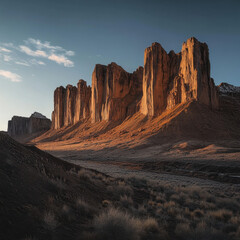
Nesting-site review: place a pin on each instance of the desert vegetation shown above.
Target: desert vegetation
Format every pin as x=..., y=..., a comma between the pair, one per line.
x=54, y=199
x=139, y=209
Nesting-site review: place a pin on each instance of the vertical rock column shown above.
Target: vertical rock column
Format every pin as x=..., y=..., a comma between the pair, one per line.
x=114, y=92
x=70, y=103
x=59, y=104
x=83, y=98
x=155, y=80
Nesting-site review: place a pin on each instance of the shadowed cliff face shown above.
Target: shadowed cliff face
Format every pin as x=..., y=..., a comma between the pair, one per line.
x=170, y=79
x=82, y=106
x=19, y=126
x=115, y=92
x=167, y=79
x=71, y=104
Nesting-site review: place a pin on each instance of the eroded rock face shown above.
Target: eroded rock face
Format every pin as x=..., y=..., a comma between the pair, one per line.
x=83, y=97
x=170, y=79
x=166, y=80
x=115, y=92
x=19, y=126
x=71, y=104
x=59, y=107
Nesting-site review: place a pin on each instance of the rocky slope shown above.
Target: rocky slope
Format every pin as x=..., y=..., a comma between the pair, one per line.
x=20, y=126
x=36, y=189
x=165, y=81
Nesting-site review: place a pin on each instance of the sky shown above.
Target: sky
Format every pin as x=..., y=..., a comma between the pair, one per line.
x=46, y=44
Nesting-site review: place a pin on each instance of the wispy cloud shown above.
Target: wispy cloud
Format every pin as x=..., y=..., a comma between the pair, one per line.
x=47, y=45
x=13, y=77
x=7, y=58
x=37, y=49
x=36, y=62
x=54, y=53
x=23, y=63
x=30, y=52
x=3, y=49
x=61, y=59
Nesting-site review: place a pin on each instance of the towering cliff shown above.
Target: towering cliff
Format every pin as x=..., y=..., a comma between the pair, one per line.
x=166, y=80
x=19, y=126
x=59, y=103
x=115, y=92
x=71, y=104
x=82, y=106
x=170, y=79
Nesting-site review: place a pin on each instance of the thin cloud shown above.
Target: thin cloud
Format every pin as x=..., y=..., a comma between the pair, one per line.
x=60, y=59
x=23, y=63
x=38, y=49
x=13, y=77
x=30, y=52
x=47, y=45
x=70, y=53
x=36, y=62
x=7, y=58
x=2, y=49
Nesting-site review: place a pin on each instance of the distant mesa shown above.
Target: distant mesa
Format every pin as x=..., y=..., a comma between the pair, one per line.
x=166, y=80
x=228, y=89
x=38, y=115
x=21, y=126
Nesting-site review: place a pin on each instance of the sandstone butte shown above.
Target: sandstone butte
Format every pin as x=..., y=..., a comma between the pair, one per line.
x=19, y=126
x=167, y=79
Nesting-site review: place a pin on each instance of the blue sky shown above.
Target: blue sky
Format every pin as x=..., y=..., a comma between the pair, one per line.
x=45, y=44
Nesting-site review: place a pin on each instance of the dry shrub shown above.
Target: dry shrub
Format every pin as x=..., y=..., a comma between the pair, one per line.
x=204, y=232
x=85, y=174
x=229, y=204
x=50, y=220
x=150, y=225
x=160, y=198
x=151, y=231
x=198, y=213
x=67, y=213
x=83, y=207
x=221, y=214
x=126, y=201
x=183, y=231
x=169, y=204
x=116, y=225
x=120, y=190
x=58, y=182
x=196, y=192
x=106, y=203
x=137, y=181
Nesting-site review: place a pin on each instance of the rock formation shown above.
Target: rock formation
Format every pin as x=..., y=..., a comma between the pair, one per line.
x=114, y=92
x=82, y=107
x=170, y=79
x=59, y=103
x=71, y=104
x=229, y=89
x=166, y=80
x=19, y=126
